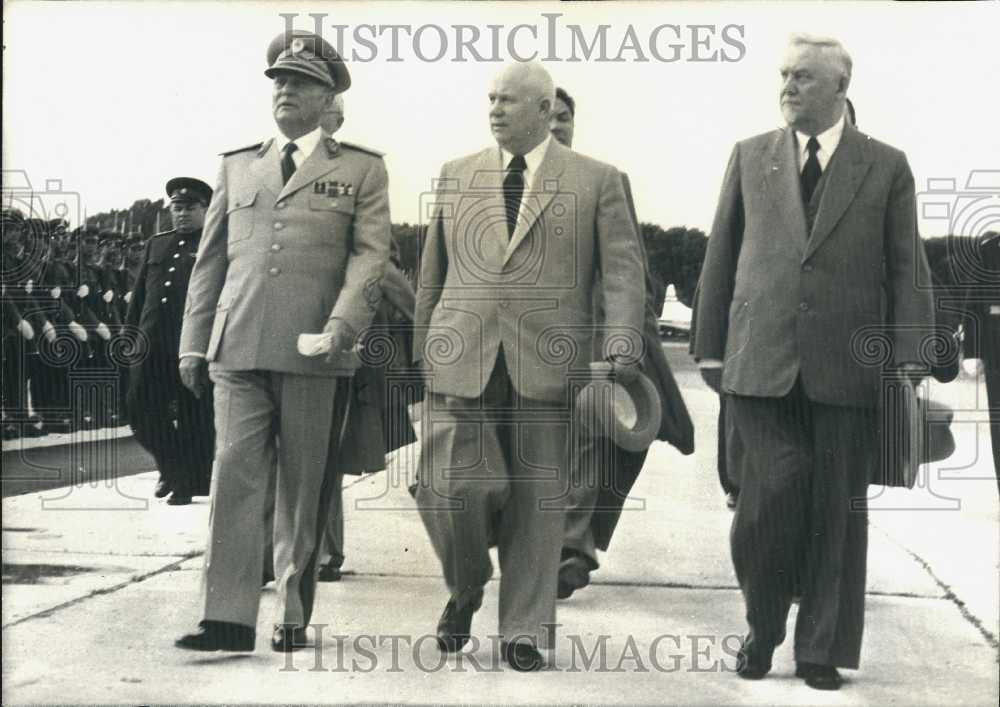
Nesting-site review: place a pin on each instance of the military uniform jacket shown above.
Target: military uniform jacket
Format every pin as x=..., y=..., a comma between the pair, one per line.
x=279, y=261
x=157, y=303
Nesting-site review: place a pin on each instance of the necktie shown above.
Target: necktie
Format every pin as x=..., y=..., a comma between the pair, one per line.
x=287, y=163
x=811, y=172
x=513, y=188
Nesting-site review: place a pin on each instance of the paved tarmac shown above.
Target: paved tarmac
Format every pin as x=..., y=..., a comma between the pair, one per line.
x=100, y=578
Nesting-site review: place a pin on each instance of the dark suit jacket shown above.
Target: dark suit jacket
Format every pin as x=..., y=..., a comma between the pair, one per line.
x=833, y=305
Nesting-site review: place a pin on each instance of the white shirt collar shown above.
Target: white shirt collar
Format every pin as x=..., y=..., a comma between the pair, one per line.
x=828, y=141
x=533, y=159
x=305, y=144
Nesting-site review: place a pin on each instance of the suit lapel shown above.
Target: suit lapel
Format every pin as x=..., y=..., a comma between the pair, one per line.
x=319, y=163
x=481, y=226
x=266, y=169
x=845, y=172
x=782, y=183
x=533, y=203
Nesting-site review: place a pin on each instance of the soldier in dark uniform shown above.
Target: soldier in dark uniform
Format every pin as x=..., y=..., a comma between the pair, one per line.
x=168, y=420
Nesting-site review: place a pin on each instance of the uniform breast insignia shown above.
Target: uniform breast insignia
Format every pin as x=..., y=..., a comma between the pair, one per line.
x=333, y=189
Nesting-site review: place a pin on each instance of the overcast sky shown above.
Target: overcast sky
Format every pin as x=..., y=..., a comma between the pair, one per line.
x=115, y=98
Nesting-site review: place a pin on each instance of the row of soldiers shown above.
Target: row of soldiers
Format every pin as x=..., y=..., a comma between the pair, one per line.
x=65, y=297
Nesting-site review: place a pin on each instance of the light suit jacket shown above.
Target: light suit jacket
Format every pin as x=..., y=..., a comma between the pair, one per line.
x=531, y=293
x=278, y=261
x=834, y=305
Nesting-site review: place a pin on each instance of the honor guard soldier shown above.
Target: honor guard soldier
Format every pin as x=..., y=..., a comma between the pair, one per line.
x=168, y=421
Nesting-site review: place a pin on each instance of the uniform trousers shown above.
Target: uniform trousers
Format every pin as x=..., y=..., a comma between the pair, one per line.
x=495, y=467
x=272, y=441
x=801, y=521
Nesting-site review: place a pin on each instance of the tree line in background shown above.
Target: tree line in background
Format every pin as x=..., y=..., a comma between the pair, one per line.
x=675, y=254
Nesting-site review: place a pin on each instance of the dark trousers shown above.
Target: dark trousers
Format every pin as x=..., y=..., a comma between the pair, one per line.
x=173, y=425
x=992, y=369
x=801, y=522
x=728, y=446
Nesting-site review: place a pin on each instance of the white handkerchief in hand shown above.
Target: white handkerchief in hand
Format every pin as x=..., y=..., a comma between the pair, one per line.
x=314, y=344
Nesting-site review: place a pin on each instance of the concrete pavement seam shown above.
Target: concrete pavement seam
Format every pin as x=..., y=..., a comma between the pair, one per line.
x=949, y=594
x=135, y=579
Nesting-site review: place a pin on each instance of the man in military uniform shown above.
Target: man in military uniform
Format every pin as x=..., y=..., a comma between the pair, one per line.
x=168, y=420
x=295, y=242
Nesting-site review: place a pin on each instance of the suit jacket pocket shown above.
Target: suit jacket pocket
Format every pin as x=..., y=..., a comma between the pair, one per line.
x=340, y=204
x=739, y=328
x=215, y=340
x=240, y=216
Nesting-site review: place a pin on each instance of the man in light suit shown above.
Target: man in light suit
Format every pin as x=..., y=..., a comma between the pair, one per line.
x=603, y=472
x=504, y=321
x=812, y=263
x=295, y=241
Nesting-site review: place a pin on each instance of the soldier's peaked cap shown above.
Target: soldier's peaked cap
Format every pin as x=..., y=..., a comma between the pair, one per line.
x=187, y=190
x=310, y=55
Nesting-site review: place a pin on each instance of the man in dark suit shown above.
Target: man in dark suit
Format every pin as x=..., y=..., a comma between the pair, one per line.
x=168, y=420
x=505, y=318
x=982, y=329
x=296, y=240
x=813, y=256
x=603, y=472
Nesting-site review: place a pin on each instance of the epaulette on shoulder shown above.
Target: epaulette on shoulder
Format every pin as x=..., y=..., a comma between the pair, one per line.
x=361, y=148
x=254, y=146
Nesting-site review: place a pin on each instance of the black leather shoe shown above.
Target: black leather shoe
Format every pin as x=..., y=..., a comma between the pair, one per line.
x=329, y=573
x=753, y=661
x=521, y=656
x=176, y=500
x=219, y=636
x=455, y=624
x=162, y=489
x=287, y=638
x=574, y=573
x=819, y=677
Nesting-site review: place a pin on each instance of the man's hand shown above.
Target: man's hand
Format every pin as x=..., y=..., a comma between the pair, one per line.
x=341, y=338
x=712, y=375
x=49, y=331
x=973, y=367
x=622, y=370
x=194, y=374
x=103, y=331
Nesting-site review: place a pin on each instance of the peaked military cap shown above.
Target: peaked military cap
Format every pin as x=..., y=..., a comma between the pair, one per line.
x=184, y=190
x=310, y=55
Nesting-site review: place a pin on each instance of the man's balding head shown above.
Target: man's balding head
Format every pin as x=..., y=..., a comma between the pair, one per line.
x=521, y=99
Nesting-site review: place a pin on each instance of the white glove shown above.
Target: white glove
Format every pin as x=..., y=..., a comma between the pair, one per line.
x=56, y=292
x=973, y=367
x=29, y=286
x=49, y=331
x=83, y=291
x=103, y=331
x=78, y=331
x=108, y=296
x=128, y=297
x=27, y=331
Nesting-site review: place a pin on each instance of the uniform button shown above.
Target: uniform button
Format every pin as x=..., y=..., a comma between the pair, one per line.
x=276, y=247
x=274, y=271
x=804, y=306
x=167, y=283
x=281, y=205
x=807, y=268
x=164, y=300
x=177, y=255
x=180, y=242
x=171, y=269
x=278, y=225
